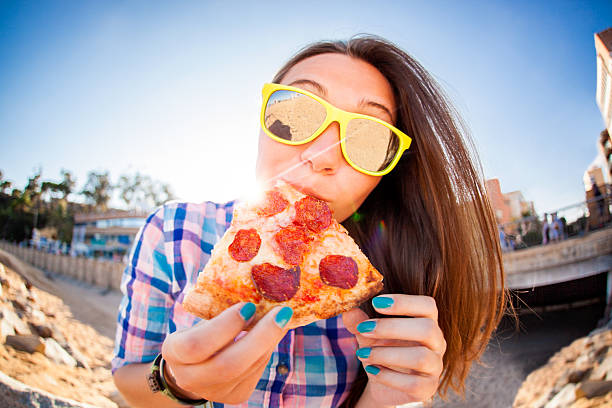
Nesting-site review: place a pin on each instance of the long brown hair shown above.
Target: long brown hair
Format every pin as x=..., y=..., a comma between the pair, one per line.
x=428, y=225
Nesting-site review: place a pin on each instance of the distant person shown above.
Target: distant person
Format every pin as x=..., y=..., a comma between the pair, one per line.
x=554, y=228
x=600, y=202
x=560, y=227
x=442, y=298
x=545, y=230
x=502, y=238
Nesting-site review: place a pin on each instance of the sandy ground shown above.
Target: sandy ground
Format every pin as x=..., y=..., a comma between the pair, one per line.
x=511, y=355
x=84, y=315
x=87, y=303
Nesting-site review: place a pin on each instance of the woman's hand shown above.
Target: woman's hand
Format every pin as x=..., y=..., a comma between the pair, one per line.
x=403, y=354
x=205, y=361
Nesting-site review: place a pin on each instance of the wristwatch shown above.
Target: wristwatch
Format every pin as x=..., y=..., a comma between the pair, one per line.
x=157, y=383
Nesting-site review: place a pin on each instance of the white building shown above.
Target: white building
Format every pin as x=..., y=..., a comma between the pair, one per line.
x=603, y=48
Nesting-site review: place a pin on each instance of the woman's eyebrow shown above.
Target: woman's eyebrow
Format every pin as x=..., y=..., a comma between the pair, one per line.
x=323, y=91
x=320, y=88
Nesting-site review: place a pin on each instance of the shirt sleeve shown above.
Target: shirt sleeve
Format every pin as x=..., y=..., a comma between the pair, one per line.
x=144, y=312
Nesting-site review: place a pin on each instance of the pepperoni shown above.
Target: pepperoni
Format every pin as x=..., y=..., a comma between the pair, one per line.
x=313, y=213
x=275, y=283
x=339, y=271
x=274, y=202
x=293, y=242
x=245, y=245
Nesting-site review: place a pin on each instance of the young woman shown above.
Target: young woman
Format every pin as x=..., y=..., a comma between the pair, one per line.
x=420, y=215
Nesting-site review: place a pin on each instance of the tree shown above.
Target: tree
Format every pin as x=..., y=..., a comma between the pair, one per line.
x=138, y=191
x=32, y=195
x=66, y=186
x=4, y=184
x=98, y=190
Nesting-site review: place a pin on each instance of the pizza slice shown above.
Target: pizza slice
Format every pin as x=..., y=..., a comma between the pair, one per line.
x=285, y=249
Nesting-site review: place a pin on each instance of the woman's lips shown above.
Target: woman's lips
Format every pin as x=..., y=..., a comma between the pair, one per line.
x=305, y=190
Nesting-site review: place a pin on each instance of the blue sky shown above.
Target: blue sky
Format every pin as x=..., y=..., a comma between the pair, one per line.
x=172, y=89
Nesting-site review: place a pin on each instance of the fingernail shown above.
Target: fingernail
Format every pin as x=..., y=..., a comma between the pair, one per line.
x=364, y=352
x=382, y=302
x=283, y=316
x=247, y=311
x=366, y=327
x=372, y=369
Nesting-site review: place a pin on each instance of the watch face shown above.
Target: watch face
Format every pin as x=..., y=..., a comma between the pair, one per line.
x=154, y=384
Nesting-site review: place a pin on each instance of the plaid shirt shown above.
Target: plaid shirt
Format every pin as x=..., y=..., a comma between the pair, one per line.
x=313, y=365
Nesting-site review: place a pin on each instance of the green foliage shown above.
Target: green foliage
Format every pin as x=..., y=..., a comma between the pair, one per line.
x=142, y=192
x=45, y=203
x=98, y=190
x=532, y=238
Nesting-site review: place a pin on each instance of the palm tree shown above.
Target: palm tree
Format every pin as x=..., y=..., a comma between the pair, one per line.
x=98, y=190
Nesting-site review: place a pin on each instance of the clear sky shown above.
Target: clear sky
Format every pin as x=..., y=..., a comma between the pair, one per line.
x=172, y=89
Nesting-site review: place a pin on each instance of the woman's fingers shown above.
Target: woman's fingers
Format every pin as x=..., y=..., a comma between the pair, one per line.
x=240, y=357
x=267, y=333
x=200, y=342
x=406, y=305
x=403, y=359
x=423, y=330
x=418, y=387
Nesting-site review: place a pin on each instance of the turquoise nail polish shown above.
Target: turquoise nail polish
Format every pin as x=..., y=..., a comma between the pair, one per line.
x=283, y=316
x=247, y=311
x=366, y=327
x=382, y=302
x=372, y=369
x=364, y=352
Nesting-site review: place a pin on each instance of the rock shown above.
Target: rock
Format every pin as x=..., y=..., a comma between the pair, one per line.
x=6, y=329
x=57, y=354
x=592, y=389
x=43, y=330
x=582, y=361
x=15, y=394
x=29, y=343
x=28, y=285
x=600, y=372
x=601, y=351
x=81, y=360
x=11, y=317
x=21, y=304
x=576, y=376
x=58, y=335
x=37, y=315
x=564, y=398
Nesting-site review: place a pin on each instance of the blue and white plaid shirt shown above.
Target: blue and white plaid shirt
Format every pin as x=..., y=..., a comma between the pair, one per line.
x=312, y=366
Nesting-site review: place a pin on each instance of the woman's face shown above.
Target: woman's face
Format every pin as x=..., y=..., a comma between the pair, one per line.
x=318, y=168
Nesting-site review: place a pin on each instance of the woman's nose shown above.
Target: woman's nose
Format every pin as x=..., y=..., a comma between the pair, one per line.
x=324, y=153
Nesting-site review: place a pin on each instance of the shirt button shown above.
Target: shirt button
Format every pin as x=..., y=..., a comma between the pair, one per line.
x=282, y=369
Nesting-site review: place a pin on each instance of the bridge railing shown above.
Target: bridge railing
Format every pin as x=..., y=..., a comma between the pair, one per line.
x=574, y=220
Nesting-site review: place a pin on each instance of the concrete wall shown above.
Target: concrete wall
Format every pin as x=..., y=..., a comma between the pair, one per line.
x=102, y=273
x=571, y=259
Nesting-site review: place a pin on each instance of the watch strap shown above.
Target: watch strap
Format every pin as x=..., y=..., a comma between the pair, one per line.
x=157, y=383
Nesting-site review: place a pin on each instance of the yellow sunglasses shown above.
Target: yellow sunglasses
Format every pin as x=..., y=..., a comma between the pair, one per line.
x=293, y=116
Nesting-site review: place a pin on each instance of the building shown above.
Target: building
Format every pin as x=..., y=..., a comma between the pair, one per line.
x=605, y=151
x=507, y=207
x=603, y=94
x=109, y=235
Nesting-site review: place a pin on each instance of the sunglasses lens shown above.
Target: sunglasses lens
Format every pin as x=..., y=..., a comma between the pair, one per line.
x=370, y=145
x=293, y=116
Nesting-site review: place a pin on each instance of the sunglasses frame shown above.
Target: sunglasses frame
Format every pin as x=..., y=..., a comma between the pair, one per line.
x=333, y=114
